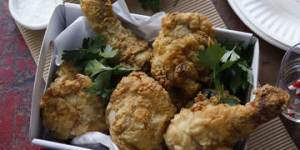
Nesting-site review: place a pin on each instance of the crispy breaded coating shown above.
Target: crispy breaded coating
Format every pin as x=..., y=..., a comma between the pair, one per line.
x=174, y=63
x=139, y=112
x=67, y=109
x=133, y=50
x=208, y=125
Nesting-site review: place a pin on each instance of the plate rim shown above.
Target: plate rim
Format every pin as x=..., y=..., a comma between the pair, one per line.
x=256, y=29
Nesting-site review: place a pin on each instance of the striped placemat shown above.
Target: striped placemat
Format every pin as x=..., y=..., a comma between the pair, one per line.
x=270, y=136
x=33, y=40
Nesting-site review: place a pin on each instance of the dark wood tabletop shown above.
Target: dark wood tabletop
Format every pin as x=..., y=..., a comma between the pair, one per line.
x=17, y=71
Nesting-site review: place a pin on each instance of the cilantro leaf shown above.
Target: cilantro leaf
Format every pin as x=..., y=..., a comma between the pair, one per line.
x=121, y=70
x=77, y=55
x=101, y=85
x=230, y=56
x=211, y=56
x=94, y=43
x=234, y=56
x=94, y=67
x=90, y=48
x=153, y=5
x=106, y=77
x=226, y=65
x=230, y=69
x=229, y=101
x=244, y=67
x=108, y=52
x=95, y=60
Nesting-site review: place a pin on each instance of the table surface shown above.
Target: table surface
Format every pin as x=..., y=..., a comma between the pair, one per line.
x=17, y=70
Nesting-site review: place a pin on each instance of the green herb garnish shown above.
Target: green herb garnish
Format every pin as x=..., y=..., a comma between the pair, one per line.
x=230, y=68
x=229, y=101
x=153, y=5
x=97, y=60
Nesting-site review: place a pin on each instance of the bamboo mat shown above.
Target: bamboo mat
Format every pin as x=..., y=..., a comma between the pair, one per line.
x=270, y=136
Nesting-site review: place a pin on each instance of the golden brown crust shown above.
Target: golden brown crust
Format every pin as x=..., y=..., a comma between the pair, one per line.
x=268, y=103
x=133, y=50
x=174, y=62
x=201, y=101
x=138, y=113
x=209, y=126
x=67, y=109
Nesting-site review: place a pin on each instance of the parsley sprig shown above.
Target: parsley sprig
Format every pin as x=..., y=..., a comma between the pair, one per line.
x=230, y=70
x=98, y=61
x=153, y=5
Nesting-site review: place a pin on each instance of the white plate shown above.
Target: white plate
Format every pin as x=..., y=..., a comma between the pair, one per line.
x=276, y=21
x=35, y=22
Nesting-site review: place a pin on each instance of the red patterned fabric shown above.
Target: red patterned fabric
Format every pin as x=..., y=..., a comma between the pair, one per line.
x=17, y=71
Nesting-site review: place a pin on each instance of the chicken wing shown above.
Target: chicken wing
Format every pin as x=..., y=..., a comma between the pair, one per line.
x=208, y=125
x=67, y=109
x=133, y=50
x=139, y=112
x=174, y=62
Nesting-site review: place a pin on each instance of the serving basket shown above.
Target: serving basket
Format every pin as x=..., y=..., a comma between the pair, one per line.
x=65, y=20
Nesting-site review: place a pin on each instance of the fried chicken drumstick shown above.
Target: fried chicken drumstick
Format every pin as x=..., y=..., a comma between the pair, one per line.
x=133, y=50
x=210, y=126
x=174, y=63
x=139, y=112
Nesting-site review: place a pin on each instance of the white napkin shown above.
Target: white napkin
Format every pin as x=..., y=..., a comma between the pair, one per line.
x=92, y=138
x=144, y=26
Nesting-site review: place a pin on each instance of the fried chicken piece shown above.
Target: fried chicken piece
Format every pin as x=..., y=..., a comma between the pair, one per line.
x=133, y=50
x=208, y=125
x=67, y=109
x=174, y=62
x=139, y=112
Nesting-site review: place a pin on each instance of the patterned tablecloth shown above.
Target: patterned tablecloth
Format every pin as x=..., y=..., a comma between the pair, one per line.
x=17, y=70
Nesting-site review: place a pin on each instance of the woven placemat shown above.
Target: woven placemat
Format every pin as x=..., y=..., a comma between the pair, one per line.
x=270, y=136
